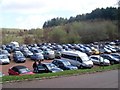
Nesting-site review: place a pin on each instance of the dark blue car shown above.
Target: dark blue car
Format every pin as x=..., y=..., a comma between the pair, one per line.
x=63, y=64
x=19, y=57
x=50, y=67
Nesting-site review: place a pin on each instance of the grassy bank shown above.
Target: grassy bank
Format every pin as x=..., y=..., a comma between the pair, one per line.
x=64, y=73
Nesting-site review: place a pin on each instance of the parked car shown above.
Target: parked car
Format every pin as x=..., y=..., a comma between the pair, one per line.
x=64, y=64
x=1, y=74
x=5, y=52
x=4, y=59
x=116, y=55
x=48, y=54
x=112, y=59
x=27, y=53
x=19, y=57
x=19, y=70
x=98, y=60
x=37, y=56
x=50, y=67
x=40, y=69
x=95, y=51
x=76, y=58
x=58, y=53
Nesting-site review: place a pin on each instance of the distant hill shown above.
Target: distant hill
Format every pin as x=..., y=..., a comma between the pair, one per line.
x=109, y=13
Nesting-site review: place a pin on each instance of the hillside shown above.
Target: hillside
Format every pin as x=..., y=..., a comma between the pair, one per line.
x=109, y=13
x=99, y=25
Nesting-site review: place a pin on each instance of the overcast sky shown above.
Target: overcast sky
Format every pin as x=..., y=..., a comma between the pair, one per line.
x=29, y=14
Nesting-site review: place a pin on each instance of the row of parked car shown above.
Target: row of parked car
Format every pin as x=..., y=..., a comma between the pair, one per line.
x=69, y=56
x=70, y=60
x=42, y=51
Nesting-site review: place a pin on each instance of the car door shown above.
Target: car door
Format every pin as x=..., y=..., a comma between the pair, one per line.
x=61, y=65
x=13, y=71
x=95, y=60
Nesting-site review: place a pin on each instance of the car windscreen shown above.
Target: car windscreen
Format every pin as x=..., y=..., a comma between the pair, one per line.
x=51, y=66
x=3, y=57
x=40, y=67
x=19, y=55
x=24, y=70
x=84, y=58
x=66, y=63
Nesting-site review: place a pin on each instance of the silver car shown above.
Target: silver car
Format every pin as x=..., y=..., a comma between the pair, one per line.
x=4, y=59
x=98, y=60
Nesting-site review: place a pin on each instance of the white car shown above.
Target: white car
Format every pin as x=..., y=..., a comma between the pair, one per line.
x=1, y=74
x=98, y=60
x=4, y=59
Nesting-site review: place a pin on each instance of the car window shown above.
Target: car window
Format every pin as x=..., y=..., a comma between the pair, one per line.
x=66, y=63
x=60, y=64
x=95, y=58
x=24, y=70
x=79, y=59
x=40, y=66
x=51, y=66
x=15, y=69
x=3, y=57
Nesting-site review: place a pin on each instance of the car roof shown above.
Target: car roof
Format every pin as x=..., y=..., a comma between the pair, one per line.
x=61, y=60
x=19, y=67
x=95, y=56
x=46, y=63
x=3, y=55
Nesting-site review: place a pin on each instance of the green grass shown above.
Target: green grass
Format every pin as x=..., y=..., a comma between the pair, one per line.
x=64, y=73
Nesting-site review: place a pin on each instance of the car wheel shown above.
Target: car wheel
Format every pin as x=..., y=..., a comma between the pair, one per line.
x=81, y=67
x=112, y=62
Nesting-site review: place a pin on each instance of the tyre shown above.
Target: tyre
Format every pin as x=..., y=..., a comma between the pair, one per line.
x=111, y=62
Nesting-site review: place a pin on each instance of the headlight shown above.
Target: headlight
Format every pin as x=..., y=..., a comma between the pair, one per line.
x=84, y=64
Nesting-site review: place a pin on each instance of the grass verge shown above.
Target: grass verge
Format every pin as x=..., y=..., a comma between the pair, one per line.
x=58, y=74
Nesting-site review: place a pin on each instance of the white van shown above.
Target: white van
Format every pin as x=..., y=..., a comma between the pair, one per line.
x=15, y=44
x=77, y=58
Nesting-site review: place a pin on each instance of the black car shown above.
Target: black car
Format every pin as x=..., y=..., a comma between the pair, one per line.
x=40, y=69
x=63, y=64
x=113, y=60
x=116, y=55
x=50, y=67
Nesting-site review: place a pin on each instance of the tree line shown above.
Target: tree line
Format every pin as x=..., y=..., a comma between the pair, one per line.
x=109, y=13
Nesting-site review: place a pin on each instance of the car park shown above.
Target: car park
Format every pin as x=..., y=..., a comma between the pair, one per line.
x=4, y=59
x=19, y=57
x=98, y=60
x=51, y=67
x=19, y=70
x=64, y=64
x=58, y=49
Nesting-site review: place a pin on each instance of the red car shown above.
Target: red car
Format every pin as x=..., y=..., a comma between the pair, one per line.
x=19, y=70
